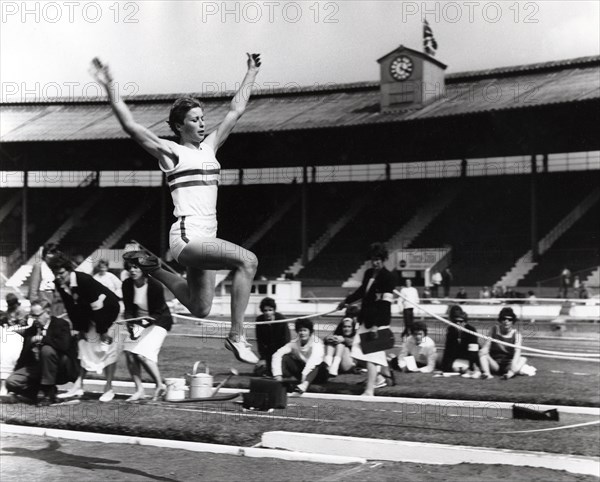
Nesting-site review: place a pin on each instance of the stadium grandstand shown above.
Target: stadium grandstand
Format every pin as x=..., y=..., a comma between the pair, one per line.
x=496, y=169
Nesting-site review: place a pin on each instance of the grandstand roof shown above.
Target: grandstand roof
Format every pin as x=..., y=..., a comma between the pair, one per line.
x=301, y=108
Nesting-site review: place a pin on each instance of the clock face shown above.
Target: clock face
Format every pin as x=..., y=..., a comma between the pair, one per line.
x=401, y=67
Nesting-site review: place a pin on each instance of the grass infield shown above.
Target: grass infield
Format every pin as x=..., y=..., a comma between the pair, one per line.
x=225, y=423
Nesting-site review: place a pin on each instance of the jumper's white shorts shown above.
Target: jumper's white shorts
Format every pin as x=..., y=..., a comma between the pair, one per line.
x=190, y=227
x=149, y=343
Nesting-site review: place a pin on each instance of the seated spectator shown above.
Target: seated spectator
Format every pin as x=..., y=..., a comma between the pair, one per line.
x=338, y=346
x=269, y=337
x=144, y=296
x=420, y=351
x=15, y=315
x=105, y=277
x=462, y=294
x=301, y=358
x=503, y=360
x=485, y=293
x=48, y=357
x=461, y=349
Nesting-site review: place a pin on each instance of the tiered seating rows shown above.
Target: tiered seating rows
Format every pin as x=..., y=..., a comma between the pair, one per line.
x=487, y=224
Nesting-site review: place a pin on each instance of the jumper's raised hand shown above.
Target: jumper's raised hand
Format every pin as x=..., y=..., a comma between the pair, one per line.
x=253, y=61
x=101, y=72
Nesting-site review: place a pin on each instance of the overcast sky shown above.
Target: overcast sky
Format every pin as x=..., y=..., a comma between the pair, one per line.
x=194, y=46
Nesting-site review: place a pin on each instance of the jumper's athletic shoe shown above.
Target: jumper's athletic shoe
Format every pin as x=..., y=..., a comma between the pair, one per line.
x=146, y=262
x=149, y=264
x=242, y=350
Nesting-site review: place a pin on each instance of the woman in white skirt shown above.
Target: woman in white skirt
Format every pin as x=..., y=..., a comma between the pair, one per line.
x=375, y=314
x=144, y=297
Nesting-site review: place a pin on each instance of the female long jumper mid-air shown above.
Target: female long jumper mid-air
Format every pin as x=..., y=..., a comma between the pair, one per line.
x=192, y=172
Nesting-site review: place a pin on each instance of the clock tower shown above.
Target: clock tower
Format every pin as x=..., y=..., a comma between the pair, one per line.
x=409, y=79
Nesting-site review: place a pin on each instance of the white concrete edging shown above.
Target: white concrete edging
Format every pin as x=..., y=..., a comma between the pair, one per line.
x=182, y=445
x=426, y=453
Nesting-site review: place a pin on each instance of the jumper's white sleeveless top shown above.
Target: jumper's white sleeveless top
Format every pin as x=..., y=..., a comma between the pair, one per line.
x=194, y=181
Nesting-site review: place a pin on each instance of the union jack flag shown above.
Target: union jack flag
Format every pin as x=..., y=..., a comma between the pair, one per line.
x=429, y=43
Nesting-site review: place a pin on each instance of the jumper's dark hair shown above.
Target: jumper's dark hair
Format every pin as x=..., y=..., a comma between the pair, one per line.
x=378, y=250
x=304, y=324
x=60, y=261
x=179, y=109
x=419, y=326
x=267, y=303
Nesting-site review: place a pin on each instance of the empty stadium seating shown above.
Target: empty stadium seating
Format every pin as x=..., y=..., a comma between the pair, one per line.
x=578, y=249
x=487, y=224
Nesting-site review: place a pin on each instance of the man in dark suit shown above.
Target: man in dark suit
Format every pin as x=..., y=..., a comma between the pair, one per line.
x=48, y=357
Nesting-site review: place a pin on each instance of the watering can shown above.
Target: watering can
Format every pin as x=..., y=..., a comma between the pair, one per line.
x=201, y=384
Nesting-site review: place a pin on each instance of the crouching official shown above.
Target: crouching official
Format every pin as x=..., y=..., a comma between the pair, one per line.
x=48, y=357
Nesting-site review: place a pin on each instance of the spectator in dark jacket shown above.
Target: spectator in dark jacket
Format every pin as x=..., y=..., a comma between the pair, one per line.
x=270, y=337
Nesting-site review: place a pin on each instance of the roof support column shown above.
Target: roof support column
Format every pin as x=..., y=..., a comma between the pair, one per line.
x=534, y=216
x=24, y=208
x=304, y=215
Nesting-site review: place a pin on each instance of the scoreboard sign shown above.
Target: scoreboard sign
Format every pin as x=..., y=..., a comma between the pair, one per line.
x=418, y=259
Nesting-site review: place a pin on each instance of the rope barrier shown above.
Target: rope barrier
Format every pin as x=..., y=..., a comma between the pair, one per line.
x=554, y=428
x=500, y=342
x=253, y=323
x=571, y=358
